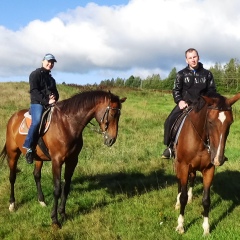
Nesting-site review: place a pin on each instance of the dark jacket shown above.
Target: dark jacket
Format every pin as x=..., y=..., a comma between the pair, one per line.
x=42, y=84
x=189, y=84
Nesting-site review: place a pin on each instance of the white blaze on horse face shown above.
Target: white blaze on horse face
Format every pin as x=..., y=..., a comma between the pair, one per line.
x=222, y=118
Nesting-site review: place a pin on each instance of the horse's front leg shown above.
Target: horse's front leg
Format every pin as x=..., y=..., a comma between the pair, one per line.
x=192, y=177
x=69, y=170
x=183, y=197
x=56, y=170
x=37, y=178
x=177, y=205
x=207, y=182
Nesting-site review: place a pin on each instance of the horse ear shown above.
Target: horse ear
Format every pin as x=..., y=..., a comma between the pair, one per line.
x=209, y=101
x=123, y=99
x=233, y=99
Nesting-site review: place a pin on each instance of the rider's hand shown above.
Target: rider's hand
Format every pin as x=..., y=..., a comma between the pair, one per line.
x=182, y=104
x=52, y=96
x=51, y=100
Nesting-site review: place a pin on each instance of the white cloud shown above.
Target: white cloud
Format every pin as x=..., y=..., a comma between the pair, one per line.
x=143, y=37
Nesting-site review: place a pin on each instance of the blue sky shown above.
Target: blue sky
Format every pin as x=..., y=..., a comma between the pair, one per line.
x=100, y=40
x=16, y=14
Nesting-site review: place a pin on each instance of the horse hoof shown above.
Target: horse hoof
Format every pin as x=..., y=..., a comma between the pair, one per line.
x=56, y=226
x=43, y=204
x=12, y=207
x=177, y=206
x=180, y=229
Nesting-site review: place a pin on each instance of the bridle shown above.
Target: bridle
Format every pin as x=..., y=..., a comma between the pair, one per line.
x=106, y=117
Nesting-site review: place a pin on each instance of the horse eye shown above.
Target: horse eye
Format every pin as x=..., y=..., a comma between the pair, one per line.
x=114, y=113
x=210, y=122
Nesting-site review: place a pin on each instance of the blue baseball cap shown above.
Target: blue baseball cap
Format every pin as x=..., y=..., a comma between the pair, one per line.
x=49, y=57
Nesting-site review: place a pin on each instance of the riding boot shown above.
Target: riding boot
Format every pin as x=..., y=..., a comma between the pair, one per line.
x=29, y=156
x=168, y=152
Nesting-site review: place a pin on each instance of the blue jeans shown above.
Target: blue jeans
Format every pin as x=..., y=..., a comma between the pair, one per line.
x=33, y=133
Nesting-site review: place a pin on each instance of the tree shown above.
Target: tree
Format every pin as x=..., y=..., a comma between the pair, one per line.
x=230, y=74
x=218, y=74
x=119, y=82
x=169, y=81
x=133, y=82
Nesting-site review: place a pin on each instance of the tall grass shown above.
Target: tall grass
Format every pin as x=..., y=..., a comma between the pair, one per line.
x=123, y=192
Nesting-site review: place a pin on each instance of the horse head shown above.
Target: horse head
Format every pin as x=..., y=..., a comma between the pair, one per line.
x=218, y=122
x=110, y=118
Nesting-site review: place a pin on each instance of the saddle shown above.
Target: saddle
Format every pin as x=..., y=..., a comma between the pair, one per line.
x=44, y=125
x=177, y=126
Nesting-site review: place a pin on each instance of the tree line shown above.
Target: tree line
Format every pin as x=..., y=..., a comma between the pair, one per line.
x=227, y=79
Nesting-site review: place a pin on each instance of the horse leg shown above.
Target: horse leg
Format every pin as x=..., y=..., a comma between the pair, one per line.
x=177, y=205
x=69, y=170
x=207, y=182
x=37, y=177
x=56, y=170
x=192, y=177
x=12, y=163
x=183, y=197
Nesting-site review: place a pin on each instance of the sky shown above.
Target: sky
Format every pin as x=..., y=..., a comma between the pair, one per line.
x=97, y=40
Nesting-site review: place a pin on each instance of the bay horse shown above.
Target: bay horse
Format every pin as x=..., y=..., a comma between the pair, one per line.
x=64, y=141
x=200, y=147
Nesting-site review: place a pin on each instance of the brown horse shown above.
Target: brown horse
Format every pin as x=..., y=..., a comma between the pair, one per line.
x=200, y=147
x=64, y=141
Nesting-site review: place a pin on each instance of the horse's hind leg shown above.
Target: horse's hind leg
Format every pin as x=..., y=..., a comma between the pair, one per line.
x=37, y=178
x=69, y=170
x=12, y=163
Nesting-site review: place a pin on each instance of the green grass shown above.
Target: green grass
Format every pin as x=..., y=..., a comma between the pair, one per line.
x=123, y=192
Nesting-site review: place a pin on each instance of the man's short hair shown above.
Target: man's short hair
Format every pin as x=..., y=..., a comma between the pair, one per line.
x=191, y=50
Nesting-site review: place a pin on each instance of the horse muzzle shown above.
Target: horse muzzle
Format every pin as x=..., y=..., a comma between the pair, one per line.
x=109, y=141
x=219, y=161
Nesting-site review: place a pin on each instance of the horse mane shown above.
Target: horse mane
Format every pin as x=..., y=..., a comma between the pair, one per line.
x=219, y=101
x=84, y=100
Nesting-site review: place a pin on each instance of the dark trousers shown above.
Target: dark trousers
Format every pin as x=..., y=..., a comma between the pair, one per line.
x=169, y=123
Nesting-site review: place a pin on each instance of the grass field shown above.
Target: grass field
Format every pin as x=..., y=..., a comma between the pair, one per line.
x=124, y=192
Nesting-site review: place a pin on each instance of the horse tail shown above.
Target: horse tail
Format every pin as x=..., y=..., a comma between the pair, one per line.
x=3, y=153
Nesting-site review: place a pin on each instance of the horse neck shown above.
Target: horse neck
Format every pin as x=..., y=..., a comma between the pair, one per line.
x=198, y=120
x=77, y=120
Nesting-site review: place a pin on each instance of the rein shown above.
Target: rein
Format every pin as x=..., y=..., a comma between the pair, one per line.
x=207, y=145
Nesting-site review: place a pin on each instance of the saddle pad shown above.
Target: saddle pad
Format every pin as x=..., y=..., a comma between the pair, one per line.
x=26, y=123
x=178, y=124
